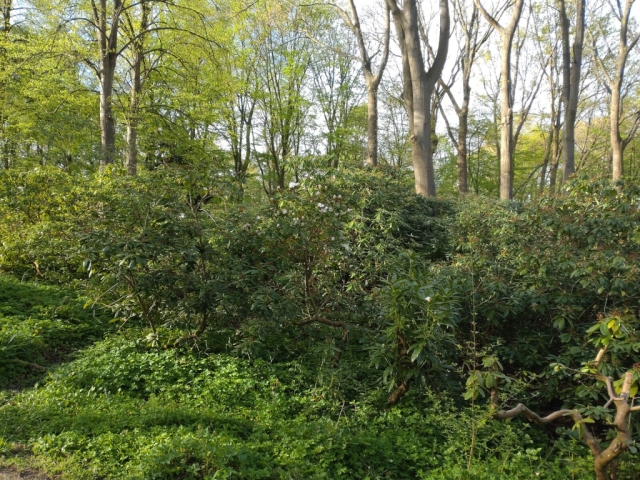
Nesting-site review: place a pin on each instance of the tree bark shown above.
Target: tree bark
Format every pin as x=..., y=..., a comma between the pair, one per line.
x=108, y=44
x=372, y=126
x=617, y=165
x=398, y=392
x=506, y=97
x=131, y=160
x=137, y=45
x=422, y=86
x=461, y=157
x=614, y=86
x=571, y=82
x=372, y=81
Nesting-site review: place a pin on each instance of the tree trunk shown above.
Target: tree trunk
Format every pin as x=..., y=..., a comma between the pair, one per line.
x=4, y=60
x=372, y=126
x=463, y=129
x=571, y=83
x=108, y=43
x=506, y=97
x=547, y=154
x=134, y=111
x=506, y=120
x=135, y=94
x=107, y=123
x=616, y=141
x=422, y=86
x=372, y=81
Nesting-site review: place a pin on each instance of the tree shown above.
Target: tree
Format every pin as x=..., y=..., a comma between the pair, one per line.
x=337, y=92
x=286, y=54
x=5, y=43
x=506, y=95
x=472, y=40
x=238, y=106
x=419, y=85
x=137, y=30
x=570, y=81
x=372, y=80
x=106, y=23
x=614, y=83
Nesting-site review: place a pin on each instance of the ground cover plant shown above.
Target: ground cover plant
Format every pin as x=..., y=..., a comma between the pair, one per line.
x=157, y=327
x=42, y=325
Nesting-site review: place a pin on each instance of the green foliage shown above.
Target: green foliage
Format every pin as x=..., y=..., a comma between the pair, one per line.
x=330, y=292
x=122, y=410
x=41, y=325
x=543, y=272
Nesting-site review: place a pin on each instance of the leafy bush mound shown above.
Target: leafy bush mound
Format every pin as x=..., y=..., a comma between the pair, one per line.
x=269, y=340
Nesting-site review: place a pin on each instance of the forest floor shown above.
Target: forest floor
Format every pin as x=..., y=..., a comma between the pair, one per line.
x=12, y=473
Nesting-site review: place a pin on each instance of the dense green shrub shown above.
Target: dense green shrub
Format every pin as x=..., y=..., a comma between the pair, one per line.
x=295, y=319
x=539, y=275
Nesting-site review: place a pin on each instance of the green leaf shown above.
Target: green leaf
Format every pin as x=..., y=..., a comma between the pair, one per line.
x=604, y=330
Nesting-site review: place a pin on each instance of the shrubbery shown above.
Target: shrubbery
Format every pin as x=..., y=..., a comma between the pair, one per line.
x=269, y=340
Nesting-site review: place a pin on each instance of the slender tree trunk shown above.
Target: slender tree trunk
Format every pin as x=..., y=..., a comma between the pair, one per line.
x=134, y=112
x=506, y=122
x=7, y=6
x=372, y=126
x=463, y=133
x=506, y=97
x=552, y=148
x=616, y=142
x=547, y=156
x=135, y=94
x=463, y=129
x=555, y=159
x=571, y=83
x=108, y=42
x=107, y=123
x=372, y=81
x=615, y=83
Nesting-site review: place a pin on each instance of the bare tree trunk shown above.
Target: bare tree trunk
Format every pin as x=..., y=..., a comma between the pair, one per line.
x=552, y=148
x=617, y=165
x=7, y=6
x=108, y=44
x=137, y=45
x=506, y=96
x=571, y=83
x=555, y=158
x=372, y=81
x=614, y=86
x=506, y=122
x=131, y=160
x=461, y=158
x=372, y=126
x=472, y=43
x=422, y=86
x=547, y=155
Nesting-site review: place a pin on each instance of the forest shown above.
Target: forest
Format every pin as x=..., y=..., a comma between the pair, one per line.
x=346, y=239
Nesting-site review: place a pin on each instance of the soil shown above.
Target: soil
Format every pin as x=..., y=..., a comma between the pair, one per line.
x=10, y=473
